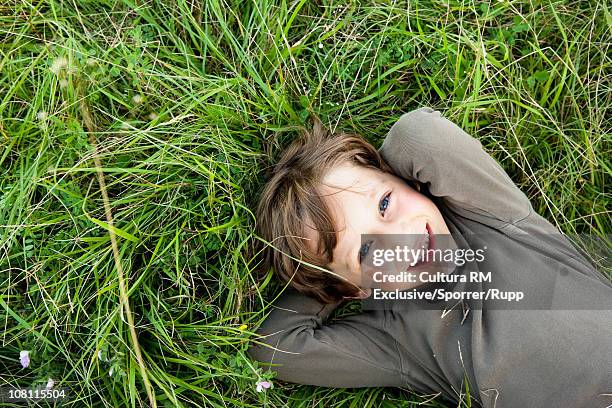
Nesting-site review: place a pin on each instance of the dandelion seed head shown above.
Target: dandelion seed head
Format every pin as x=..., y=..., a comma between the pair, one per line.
x=58, y=65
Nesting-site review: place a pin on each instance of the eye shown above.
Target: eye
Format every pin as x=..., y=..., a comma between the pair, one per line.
x=363, y=251
x=384, y=204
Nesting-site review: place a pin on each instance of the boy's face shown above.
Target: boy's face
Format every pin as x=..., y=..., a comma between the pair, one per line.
x=369, y=201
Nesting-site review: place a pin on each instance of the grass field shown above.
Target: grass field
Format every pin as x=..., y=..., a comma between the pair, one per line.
x=188, y=104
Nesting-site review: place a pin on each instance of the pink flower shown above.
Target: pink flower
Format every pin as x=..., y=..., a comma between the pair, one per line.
x=24, y=358
x=263, y=385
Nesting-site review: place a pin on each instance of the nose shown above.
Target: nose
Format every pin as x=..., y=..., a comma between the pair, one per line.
x=408, y=233
x=412, y=226
x=405, y=233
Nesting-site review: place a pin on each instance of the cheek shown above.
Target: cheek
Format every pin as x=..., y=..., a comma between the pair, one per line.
x=413, y=202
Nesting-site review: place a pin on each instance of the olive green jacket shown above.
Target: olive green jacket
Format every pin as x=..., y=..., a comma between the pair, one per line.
x=555, y=351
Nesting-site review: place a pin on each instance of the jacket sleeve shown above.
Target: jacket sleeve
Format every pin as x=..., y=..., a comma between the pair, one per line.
x=303, y=349
x=423, y=145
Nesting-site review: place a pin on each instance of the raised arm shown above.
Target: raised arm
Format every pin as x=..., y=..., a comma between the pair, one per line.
x=351, y=352
x=425, y=146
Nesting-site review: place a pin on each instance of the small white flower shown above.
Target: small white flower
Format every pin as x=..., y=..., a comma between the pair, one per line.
x=50, y=383
x=24, y=358
x=137, y=99
x=42, y=115
x=263, y=385
x=320, y=45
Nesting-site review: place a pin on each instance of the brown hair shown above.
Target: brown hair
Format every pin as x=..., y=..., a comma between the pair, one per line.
x=291, y=198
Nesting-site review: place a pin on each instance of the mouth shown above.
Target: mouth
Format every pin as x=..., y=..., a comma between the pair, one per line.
x=425, y=245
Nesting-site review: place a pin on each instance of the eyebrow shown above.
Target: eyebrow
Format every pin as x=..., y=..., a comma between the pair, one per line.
x=349, y=254
x=373, y=195
x=346, y=254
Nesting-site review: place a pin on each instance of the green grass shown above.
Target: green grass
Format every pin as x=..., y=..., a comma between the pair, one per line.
x=191, y=102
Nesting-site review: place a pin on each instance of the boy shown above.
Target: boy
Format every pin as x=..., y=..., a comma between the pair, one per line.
x=327, y=192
